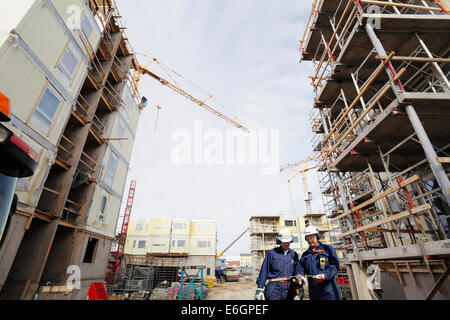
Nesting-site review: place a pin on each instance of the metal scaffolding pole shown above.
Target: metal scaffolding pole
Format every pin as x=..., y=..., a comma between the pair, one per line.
x=436, y=167
x=342, y=193
x=435, y=65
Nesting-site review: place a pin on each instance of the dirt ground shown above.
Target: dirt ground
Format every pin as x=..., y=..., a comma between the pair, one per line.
x=241, y=290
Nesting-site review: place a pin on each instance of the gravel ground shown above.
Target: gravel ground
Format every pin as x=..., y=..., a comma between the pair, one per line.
x=241, y=290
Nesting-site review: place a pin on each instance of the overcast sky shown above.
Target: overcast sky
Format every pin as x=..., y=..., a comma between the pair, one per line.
x=246, y=54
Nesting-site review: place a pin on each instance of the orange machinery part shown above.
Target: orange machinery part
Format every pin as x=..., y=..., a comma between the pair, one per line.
x=4, y=106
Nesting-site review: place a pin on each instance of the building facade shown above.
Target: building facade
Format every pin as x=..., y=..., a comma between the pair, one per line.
x=65, y=66
x=195, y=240
x=246, y=260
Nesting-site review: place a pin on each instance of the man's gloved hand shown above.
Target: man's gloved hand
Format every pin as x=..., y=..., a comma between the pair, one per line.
x=319, y=278
x=300, y=280
x=259, y=295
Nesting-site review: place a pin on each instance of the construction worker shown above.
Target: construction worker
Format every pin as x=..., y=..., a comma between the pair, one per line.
x=279, y=262
x=320, y=262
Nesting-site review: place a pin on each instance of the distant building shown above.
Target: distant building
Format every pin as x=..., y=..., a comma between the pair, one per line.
x=246, y=260
x=233, y=262
x=195, y=240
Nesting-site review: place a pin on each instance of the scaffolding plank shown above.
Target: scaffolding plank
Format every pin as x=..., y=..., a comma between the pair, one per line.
x=443, y=159
x=400, y=5
x=380, y=222
x=415, y=59
x=413, y=179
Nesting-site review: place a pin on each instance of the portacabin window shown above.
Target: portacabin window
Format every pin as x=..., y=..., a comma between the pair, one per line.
x=141, y=244
x=86, y=26
x=111, y=169
x=101, y=214
x=139, y=227
x=128, y=101
x=68, y=63
x=47, y=107
x=203, y=244
x=290, y=223
x=179, y=226
x=120, y=133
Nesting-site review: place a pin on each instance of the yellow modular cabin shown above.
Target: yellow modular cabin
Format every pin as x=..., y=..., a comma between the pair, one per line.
x=160, y=227
x=203, y=228
x=179, y=244
x=138, y=228
x=201, y=245
x=192, y=237
x=181, y=227
x=137, y=245
x=159, y=244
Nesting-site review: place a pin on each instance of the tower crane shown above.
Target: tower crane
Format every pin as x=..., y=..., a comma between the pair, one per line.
x=302, y=172
x=290, y=165
x=143, y=70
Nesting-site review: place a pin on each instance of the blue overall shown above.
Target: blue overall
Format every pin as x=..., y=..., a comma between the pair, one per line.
x=278, y=265
x=310, y=264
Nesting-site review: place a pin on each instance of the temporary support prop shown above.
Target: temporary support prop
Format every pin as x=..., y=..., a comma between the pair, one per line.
x=191, y=282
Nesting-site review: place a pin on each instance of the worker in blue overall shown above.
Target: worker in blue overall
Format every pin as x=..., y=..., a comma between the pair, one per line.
x=321, y=263
x=279, y=262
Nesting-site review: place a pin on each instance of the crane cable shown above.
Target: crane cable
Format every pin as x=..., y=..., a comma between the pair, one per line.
x=164, y=67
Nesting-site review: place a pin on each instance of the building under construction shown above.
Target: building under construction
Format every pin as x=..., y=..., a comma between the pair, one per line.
x=65, y=66
x=380, y=120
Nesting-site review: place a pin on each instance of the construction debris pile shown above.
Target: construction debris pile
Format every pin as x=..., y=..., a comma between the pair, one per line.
x=154, y=278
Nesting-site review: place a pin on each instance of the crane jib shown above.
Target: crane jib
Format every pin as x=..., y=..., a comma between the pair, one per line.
x=163, y=81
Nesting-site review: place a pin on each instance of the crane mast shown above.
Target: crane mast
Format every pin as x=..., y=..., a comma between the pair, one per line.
x=117, y=257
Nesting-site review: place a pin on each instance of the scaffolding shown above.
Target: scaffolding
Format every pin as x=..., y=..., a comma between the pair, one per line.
x=381, y=138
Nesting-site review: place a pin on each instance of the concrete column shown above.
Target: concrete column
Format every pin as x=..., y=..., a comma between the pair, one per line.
x=11, y=244
x=351, y=278
x=360, y=275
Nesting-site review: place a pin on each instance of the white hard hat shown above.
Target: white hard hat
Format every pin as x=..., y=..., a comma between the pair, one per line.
x=285, y=235
x=311, y=230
